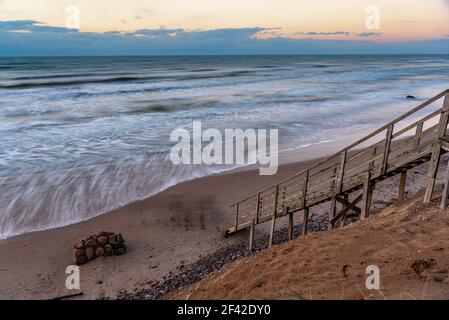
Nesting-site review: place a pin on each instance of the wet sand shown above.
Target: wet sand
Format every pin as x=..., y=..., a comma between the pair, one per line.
x=176, y=226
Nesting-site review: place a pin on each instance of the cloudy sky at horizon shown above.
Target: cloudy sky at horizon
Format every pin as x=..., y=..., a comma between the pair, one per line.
x=39, y=27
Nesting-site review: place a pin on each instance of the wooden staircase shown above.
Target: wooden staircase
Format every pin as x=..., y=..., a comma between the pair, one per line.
x=418, y=136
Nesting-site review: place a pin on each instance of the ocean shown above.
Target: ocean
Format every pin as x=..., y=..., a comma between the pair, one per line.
x=81, y=136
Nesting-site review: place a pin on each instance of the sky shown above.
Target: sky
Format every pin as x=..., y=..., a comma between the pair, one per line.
x=104, y=27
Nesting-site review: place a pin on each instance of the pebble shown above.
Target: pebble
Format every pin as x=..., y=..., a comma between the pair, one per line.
x=187, y=274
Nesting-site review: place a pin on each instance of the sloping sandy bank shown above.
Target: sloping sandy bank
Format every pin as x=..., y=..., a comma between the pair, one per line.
x=409, y=242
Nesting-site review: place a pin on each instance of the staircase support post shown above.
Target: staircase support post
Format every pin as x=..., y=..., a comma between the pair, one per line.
x=332, y=212
x=258, y=208
x=343, y=208
x=273, y=226
x=388, y=137
x=251, y=236
x=273, y=221
x=338, y=186
x=445, y=195
x=436, y=152
x=368, y=188
x=290, y=225
x=236, y=216
x=401, y=193
x=305, y=221
x=432, y=172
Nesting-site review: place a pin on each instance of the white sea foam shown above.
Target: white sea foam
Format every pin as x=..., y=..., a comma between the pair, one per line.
x=74, y=147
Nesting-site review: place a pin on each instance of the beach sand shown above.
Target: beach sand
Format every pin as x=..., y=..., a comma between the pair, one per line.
x=162, y=232
x=406, y=243
x=177, y=225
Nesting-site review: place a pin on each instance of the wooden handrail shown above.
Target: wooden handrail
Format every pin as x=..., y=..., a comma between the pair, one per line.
x=357, y=143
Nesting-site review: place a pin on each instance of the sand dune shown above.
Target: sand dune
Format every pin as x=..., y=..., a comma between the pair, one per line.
x=408, y=242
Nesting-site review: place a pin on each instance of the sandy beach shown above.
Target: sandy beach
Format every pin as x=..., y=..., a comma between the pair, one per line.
x=173, y=228
x=176, y=226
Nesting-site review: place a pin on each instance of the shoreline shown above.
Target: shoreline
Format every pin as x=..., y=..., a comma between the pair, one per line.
x=310, y=152
x=174, y=228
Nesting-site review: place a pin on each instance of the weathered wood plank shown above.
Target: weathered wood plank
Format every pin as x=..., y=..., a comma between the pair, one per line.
x=272, y=229
x=305, y=221
x=251, y=235
x=445, y=194
x=432, y=172
x=273, y=221
x=367, y=195
x=402, y=182
x=348, y=206
x=290, y=226
x=386, y=153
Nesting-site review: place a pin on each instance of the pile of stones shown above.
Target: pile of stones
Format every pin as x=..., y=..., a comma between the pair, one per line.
x=103, y=244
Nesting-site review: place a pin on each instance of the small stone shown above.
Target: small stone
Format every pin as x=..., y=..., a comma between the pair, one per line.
x=103, y=240
x=113, y=240
x=79, y=253
x=91, y=243
x=119, y=251
x=79, y=244
x=120, y=238
x=108, y=249
x=90, y=253
x=99, y=252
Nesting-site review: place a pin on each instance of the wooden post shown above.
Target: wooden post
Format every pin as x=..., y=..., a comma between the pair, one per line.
x=258, y=208
x=283, y=198
x=368, y=189
x=333, y=208
x=332, y=212
x=401, y=194
x=373, y=155
x=276, y=194
x=347, y=206
x=444, y=118
x=251, y=236
x=387, y=149
x=445, y=195
x=273, y=221
x=432, y=172
x=342, y=171
x=436, y=152
x=236, y=216
x=304, y=190
x=418, y=133
x=273, y=226
x=305, y=221
x=338, y=188
x=342, y=219
x=290, y=225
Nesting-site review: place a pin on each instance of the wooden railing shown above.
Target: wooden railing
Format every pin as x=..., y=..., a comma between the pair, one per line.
x=406, y=141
